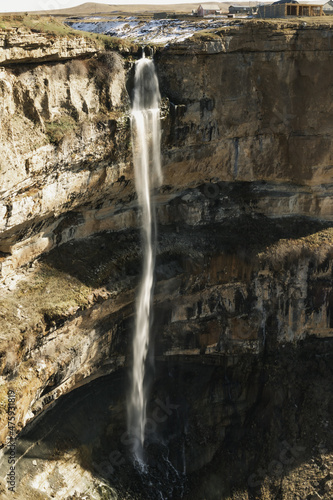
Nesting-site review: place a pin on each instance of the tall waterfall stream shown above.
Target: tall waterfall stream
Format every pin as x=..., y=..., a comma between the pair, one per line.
x=145, y=121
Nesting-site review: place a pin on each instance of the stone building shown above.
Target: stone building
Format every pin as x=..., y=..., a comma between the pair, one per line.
x=328, y=8
x=287, y=8
x=242, y=9
x=208, y=9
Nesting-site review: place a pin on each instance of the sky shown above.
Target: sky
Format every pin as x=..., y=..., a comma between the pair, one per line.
x=27, y=5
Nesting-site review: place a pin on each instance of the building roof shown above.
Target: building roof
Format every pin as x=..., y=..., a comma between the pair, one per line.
x=317, y=3
x=210, y=6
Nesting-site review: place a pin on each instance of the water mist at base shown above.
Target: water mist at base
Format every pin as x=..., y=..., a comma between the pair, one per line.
x=145, y=122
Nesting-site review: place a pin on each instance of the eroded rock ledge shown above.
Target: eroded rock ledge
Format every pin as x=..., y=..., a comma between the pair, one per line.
x=21, y=46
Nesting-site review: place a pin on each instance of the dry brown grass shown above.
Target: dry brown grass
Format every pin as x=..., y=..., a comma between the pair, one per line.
x=38, y=303
x=317, y=247
x=54, y=27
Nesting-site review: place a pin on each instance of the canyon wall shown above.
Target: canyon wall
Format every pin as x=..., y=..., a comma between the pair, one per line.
x=244, y=260
x=250, y=105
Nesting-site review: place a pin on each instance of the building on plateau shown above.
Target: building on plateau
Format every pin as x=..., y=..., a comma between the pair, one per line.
x=291, y=8
x=208, y=9
x=328, y=8
x=242, y=9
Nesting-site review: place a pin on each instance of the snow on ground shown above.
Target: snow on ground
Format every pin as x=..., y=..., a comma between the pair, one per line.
x=157, y=30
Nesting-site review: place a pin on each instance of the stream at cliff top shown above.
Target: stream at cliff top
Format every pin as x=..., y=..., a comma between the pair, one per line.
x=145, y=121
x=152, y=31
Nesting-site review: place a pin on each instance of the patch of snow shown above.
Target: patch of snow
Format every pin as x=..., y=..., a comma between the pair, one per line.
x=158, y=31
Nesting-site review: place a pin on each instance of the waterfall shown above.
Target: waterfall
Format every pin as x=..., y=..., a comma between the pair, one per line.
x=145, y=122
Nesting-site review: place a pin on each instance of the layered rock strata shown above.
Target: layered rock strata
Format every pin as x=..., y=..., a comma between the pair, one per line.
x=244, y=263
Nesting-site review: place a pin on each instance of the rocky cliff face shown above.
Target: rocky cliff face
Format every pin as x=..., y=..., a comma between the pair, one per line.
x=244, y=261
x=23, y=46
x=65, y=139
x=250, y=106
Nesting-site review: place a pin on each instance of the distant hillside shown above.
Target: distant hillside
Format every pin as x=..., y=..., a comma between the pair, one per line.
x=101, y=9
x=90, y=8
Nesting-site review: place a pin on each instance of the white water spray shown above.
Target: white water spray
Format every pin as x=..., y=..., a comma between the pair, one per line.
x=145, y=121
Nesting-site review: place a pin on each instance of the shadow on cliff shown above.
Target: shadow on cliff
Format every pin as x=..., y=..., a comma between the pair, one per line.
x=278, y=445
x=283, y=449
x=109, y=257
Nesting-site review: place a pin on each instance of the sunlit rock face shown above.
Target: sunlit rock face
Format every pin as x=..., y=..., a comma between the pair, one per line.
x=65, y=145
x=244, y=258
x=255, y=112
x=250, y=105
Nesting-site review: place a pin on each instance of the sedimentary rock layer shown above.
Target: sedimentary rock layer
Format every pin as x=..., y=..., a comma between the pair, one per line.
x=245, y=213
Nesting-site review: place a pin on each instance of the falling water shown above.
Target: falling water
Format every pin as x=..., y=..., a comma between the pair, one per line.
x=145, y=120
